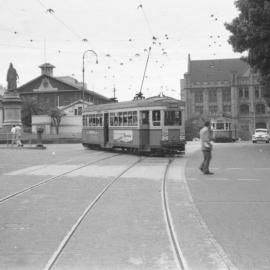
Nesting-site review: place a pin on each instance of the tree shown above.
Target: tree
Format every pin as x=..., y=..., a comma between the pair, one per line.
x=56, y=116
x=192, y=127
x=251, y=34
x=29, y=107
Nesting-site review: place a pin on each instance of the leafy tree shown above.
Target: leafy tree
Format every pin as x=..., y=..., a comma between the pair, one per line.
x=192, y=127
x=29, y=107
x=56, y=116
x=251, y=34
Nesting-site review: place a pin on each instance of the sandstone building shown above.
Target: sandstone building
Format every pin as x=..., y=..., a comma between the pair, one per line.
x=228, y=93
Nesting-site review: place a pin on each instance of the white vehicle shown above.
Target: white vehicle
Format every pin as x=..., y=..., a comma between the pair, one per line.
x=261, y=135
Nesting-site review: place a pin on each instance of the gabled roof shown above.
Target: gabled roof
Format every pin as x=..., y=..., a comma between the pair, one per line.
x=216, y=69
x=71, y=85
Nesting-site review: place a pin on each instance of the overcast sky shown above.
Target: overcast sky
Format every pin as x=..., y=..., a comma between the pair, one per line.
x=120, y=32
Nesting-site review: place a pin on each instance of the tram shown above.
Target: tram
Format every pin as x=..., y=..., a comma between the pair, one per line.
x=222, y=131
x=153, y=124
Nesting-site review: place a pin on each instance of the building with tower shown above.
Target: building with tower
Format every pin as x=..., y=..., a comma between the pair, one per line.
x=228, y=93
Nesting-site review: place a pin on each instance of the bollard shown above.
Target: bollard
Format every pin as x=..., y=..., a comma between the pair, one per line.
x=40, y=131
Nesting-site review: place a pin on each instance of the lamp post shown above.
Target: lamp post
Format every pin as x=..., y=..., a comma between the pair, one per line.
x=83, y=69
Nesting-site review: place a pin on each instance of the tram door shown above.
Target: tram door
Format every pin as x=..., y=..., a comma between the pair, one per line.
x=145, y=132
x=106, y=128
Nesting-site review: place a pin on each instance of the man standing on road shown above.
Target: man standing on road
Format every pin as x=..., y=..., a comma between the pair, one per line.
x=206, y=146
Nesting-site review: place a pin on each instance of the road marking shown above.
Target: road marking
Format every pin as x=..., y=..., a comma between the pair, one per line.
x=247, y=179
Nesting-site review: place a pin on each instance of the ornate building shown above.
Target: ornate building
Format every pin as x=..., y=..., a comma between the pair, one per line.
x=226, y=92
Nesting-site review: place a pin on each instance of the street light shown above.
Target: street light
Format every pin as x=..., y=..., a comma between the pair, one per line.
x=84, y=54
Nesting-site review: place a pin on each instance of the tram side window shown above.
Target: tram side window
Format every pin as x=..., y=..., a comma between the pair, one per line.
x=134, y=118
x=94, y=120
x=125, y=120
x=112, y=115
x=172, y=118
x=156, y=118
x=129, y=118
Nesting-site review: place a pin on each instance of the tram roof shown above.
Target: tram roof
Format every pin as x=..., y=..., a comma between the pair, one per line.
x=148, y=102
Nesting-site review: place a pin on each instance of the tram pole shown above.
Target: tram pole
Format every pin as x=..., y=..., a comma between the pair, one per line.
x=140, y=95
x=83, y=69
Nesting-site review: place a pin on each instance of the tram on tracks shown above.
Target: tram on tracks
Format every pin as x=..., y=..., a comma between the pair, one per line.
x=154, y=124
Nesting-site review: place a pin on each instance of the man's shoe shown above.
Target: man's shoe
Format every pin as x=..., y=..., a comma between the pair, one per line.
x=208, y=173
x=201, y=169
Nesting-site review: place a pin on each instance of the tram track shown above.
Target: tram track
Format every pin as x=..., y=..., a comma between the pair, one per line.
x=182, y=265
x=47, y=180
x=73, y=229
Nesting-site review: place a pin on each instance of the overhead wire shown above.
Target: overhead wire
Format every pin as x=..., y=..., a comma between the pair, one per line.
x=52, y=12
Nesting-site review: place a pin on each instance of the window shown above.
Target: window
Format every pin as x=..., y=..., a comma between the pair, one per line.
x=199, y=96
x=156, y=118
x=246, y=92
x=212, y=95
x=213, y=109
x=75, y=112
x=199, y=109
x=240, y=91
x=257, y=92
x=124, y=119
x=172, y=118
x=93, y=119
x=226, y=94
x=244, y=109
x=260, y=109
x=134, y=118
x=79, y=110
x=227, y=108
x=145, y=118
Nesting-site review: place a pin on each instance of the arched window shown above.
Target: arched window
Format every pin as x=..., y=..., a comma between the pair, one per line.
x=260, y=108
x=240, y=92
x=244, y=109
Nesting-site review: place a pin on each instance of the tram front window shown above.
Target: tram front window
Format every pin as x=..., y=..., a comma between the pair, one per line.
x=145, y=117
x=156, y=118
x=172, y=118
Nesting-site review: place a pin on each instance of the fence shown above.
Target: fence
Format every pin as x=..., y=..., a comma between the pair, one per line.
x=8, y=139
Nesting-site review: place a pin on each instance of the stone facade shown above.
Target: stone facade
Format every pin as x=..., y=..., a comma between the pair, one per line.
x=225, y=91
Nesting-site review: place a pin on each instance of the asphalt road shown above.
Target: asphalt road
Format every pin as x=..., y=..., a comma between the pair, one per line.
x=107, y=211
x=235, y=201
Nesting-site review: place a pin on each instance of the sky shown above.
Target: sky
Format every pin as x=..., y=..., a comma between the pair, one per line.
x=118, y=34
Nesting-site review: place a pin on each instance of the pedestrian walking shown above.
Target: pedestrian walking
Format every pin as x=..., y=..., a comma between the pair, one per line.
x=206, y=147
x=13, y=135
x=18, y=134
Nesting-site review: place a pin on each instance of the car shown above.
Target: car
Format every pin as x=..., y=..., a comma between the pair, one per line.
x=261, y=135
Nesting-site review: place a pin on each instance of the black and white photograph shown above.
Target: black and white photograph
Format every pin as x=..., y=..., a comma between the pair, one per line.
x=134, y=135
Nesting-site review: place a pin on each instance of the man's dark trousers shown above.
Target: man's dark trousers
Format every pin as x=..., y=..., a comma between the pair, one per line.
x=207, y=155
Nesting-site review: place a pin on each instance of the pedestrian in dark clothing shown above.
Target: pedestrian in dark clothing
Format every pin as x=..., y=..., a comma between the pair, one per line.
x=206, y=147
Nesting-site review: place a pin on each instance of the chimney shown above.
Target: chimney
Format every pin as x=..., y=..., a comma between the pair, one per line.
x=47, y=69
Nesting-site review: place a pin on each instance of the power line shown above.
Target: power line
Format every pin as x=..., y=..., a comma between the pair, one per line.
x=52, y=12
